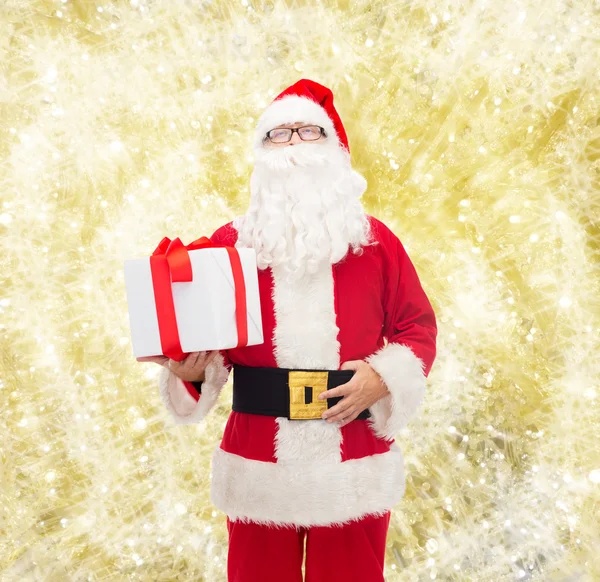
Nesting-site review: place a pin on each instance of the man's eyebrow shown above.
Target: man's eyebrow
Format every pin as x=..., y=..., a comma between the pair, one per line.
x=283, y=125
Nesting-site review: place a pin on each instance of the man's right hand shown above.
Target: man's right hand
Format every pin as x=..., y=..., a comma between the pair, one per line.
x=190, y=369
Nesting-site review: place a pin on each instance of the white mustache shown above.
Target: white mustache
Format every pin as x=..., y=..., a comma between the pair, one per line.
x=299, y=155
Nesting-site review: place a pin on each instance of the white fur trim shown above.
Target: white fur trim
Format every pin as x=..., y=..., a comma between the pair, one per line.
x=292, y=109
x=308, y=441
x=181, y=404
x=403, y=373
x=306, y=493
x=305, y=336
x=306, y=332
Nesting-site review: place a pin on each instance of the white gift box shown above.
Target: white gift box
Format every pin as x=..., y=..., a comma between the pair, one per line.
x=204, y=307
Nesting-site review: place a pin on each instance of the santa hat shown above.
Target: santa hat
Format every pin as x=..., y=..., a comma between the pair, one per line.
x=305, y=101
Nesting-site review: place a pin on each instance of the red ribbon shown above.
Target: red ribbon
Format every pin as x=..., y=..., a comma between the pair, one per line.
x=170, y=262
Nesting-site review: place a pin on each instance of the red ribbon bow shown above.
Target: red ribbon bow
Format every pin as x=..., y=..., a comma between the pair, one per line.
x=170, y=262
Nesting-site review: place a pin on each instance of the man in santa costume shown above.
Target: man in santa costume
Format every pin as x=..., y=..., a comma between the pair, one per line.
x=308, y=452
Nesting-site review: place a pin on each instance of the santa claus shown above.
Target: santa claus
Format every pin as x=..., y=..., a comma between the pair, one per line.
x=308, y=452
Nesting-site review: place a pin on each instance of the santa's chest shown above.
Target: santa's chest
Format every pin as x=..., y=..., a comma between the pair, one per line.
x=321, y=320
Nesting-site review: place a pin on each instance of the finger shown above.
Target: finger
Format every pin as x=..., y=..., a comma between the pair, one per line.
x=188, y=362
x=343, y=405
x=210, y=357
x=158, y=359
x=341, y=390
x=174, y=364
x=342, y=415
x=348, y=419
x=206, y=356
x=202, y=360
x=199, y=357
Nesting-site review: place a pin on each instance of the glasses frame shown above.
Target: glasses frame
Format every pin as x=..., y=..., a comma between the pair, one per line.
x=295, y=129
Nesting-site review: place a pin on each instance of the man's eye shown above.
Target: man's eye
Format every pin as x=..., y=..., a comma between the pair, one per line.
x=309, y=131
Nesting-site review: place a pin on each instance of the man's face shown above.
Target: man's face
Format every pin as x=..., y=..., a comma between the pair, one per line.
x=305, y=205
x=295, y=137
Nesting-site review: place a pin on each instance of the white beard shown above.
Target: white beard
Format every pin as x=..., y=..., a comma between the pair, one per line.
x=305, y=208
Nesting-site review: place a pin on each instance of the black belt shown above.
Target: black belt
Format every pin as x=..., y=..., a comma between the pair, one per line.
x=286, y=392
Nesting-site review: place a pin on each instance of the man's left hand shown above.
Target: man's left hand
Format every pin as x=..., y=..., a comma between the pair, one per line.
x=363, y=390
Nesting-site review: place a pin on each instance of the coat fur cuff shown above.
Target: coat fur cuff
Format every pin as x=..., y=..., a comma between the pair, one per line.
x=403, y=373
x=181, y=404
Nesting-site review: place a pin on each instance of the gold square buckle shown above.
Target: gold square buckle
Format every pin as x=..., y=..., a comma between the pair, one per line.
x=305, y=388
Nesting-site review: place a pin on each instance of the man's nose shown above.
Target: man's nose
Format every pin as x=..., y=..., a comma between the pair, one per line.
x=295, y=138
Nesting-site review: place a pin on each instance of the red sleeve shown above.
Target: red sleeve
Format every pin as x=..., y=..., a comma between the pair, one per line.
x=194, y=389
x=409, y=316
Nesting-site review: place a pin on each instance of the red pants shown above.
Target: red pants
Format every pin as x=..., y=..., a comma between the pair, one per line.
x=353, y=552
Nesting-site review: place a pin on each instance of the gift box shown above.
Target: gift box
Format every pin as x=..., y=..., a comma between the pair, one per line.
x=189, y=298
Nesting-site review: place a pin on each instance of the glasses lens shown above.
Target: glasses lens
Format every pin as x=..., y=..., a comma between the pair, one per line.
x=280, y=135
x=310, y=132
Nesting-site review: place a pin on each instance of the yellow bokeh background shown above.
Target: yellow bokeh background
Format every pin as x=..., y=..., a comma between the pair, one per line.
x=477, y=126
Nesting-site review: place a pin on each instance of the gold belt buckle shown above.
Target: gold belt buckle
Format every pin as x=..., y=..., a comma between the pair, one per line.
x=305, y=388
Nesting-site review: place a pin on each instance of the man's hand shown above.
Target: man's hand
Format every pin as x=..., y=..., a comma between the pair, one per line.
x=363, y=390
x=190, y=369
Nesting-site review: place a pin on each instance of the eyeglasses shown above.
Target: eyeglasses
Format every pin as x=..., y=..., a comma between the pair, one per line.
x=306, y=133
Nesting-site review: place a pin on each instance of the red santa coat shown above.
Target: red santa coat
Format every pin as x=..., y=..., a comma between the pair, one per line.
x=310, y=472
